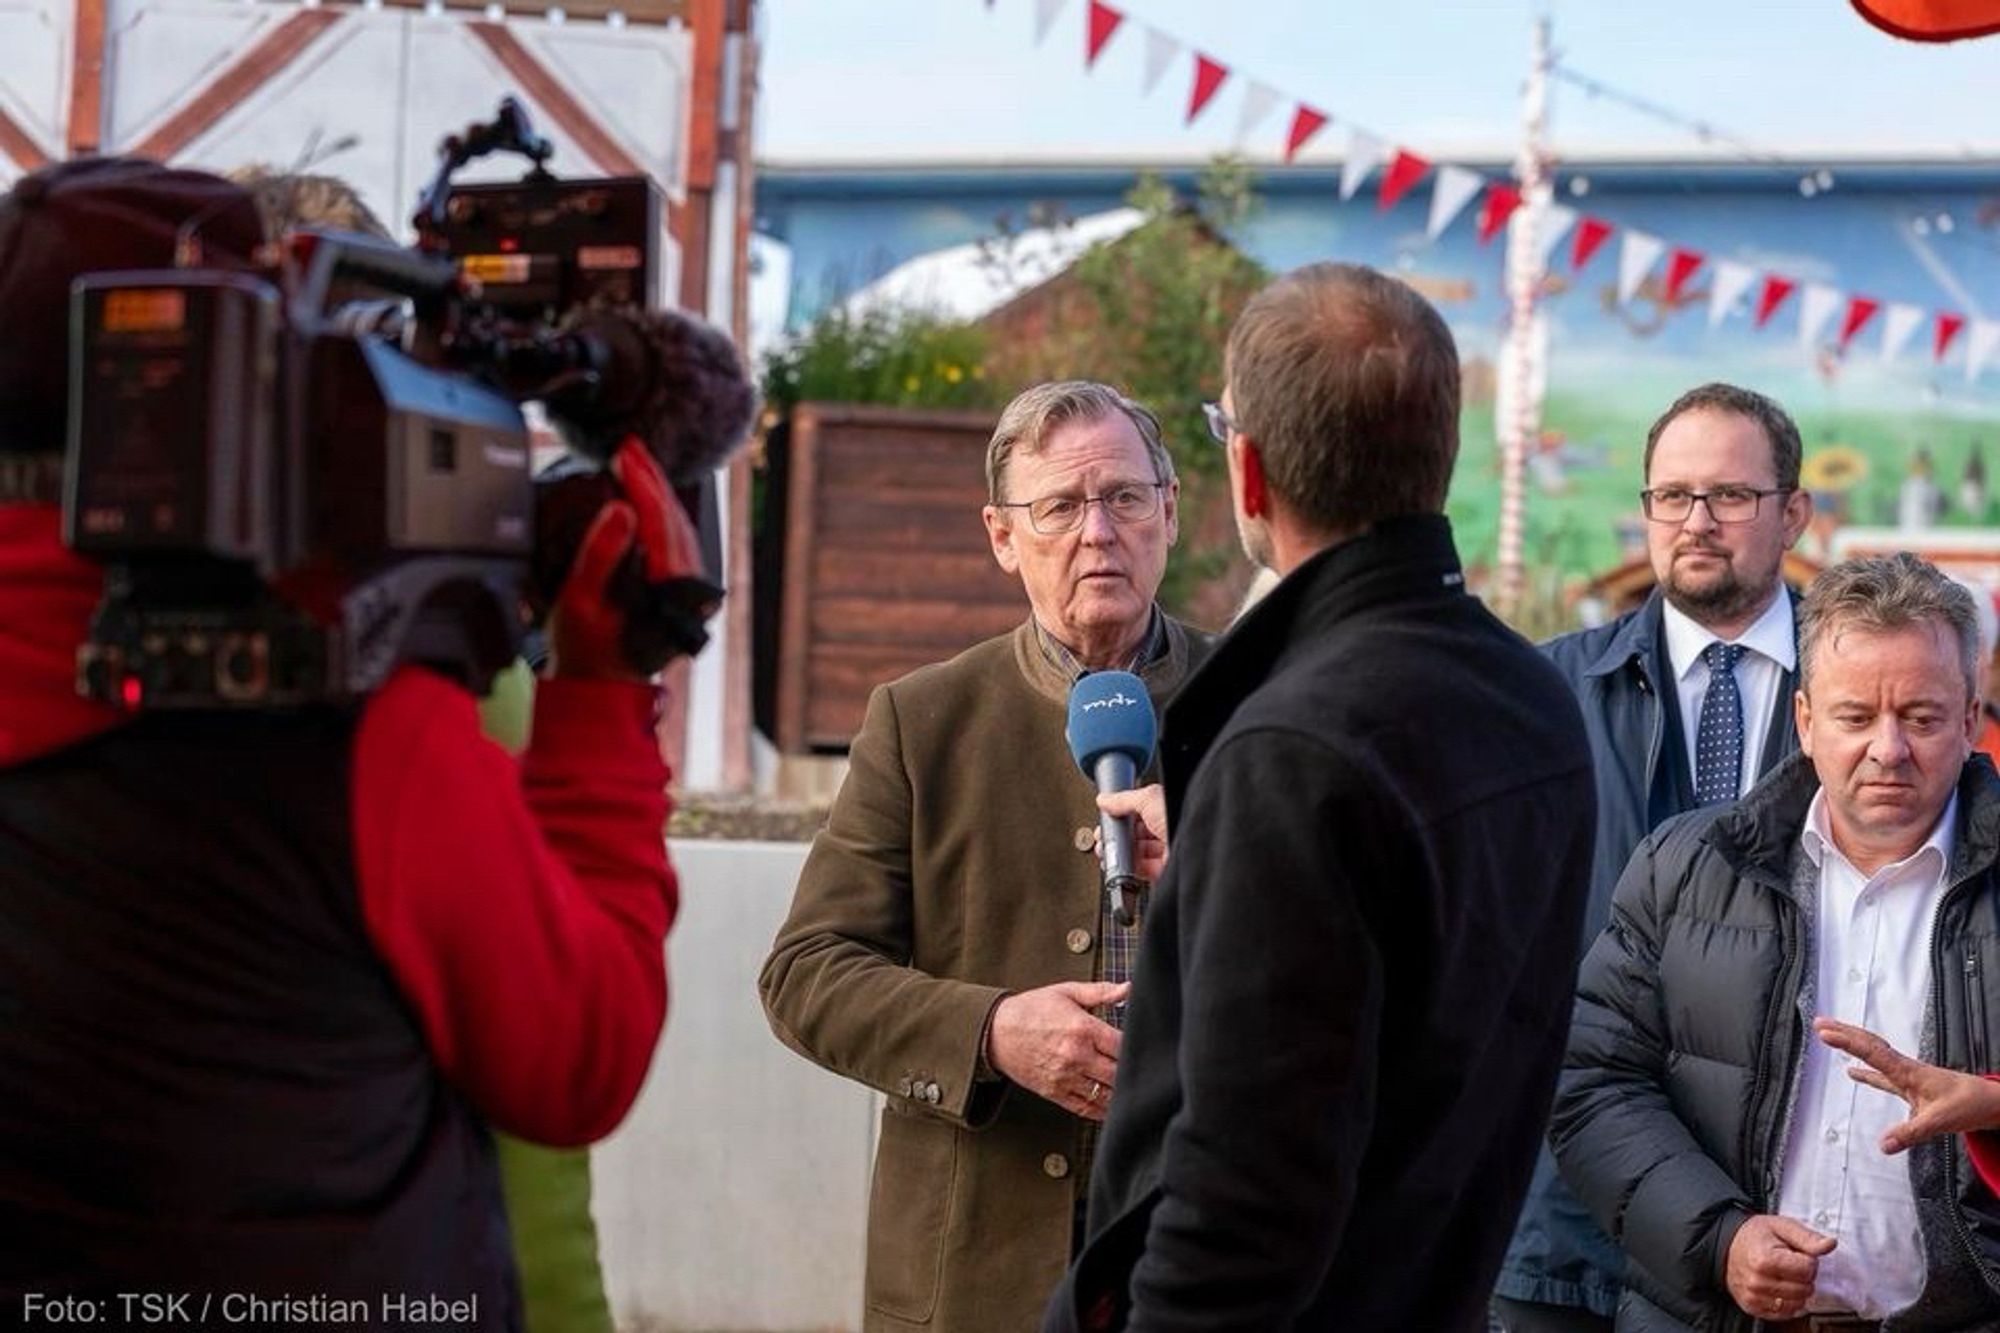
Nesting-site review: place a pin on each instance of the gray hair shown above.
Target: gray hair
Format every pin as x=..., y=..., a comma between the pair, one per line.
x=1881, y=594
x=1026, y=423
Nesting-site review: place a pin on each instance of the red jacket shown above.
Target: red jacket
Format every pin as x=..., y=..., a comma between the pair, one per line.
x=520, y=905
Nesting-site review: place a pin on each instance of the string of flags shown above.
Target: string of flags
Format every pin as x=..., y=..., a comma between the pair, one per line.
x=1397, y=171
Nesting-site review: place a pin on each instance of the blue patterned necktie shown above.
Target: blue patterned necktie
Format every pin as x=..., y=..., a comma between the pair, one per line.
x=1718, y=740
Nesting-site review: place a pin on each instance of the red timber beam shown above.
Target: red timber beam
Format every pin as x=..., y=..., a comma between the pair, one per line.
x=86, y=77
x=19, y=145
x=251, y=71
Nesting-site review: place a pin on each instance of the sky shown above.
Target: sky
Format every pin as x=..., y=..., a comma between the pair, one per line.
x=875, y=80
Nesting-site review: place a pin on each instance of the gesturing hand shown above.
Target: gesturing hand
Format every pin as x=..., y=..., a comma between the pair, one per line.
x=1773, y=1262
x=1942, y=1101
x=1047, y=1041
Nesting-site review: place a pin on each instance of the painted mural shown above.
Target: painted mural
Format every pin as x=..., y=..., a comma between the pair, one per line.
x=1912, y=443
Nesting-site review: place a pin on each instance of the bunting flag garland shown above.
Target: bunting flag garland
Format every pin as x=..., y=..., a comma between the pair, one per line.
x=1161, y=51
x=1306, y=122
x=1046, y=14
x=1636, y=260
x=1405, y=170
x=1590, y=234
x=1208, y=77
x=1556, y=222
x=1860, y=310
x=1450, y=193
x=1979, y=348
x=1454, y=188
x=1932, y=20
x=1501, y=201
x=1817, y=305
x=1732, y=280
x=1681, y=266
x=1364, y=153
x=1898, y=326
x=1104, y=21
x=1776, y=289
x=1948, y=324
x=1260, y=99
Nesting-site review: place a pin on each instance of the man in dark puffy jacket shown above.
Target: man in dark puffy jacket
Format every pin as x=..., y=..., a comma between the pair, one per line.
x=1722, y=504
x=1722, y=1146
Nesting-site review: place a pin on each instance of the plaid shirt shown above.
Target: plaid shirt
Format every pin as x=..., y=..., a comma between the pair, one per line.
x=1117, y=945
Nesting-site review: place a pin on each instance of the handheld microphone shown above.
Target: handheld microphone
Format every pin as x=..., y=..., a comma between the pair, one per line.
x=1111, y=734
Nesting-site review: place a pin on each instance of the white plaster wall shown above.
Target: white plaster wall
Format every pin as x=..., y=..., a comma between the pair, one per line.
x=735, y=1195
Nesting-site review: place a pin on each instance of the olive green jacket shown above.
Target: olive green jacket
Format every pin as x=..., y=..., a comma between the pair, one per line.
x=956, y=867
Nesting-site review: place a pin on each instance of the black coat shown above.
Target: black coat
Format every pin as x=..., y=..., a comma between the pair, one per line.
x=1625, y=682
x=1350, y=997
x=1687, y=1045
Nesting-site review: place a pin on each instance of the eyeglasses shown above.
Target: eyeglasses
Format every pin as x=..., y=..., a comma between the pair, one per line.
x=1220, y=423
x=1726, y=504
x=1126, y=502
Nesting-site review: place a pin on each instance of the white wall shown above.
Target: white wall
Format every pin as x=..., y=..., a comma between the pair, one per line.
x=734, y=1196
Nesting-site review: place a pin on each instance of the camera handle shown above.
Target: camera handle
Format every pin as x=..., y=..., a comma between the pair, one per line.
x=510, y=131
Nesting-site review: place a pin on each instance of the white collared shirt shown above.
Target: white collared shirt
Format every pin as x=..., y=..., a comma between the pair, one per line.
x=1773, y=646
x=1872, y=950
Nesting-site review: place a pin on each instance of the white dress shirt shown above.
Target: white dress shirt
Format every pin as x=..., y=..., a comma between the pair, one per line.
x=1773, y=646
x=1873, y=964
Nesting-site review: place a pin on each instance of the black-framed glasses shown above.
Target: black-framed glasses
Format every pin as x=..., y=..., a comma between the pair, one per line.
x=1220, y=423
x=1726, y=504
x=1126, y=502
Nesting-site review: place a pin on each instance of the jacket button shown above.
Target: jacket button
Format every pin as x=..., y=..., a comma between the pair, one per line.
x=1055, y=1166
x=1078, y=941
x=1086, y=838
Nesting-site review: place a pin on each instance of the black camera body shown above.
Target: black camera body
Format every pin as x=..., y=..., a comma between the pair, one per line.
x=295, y=490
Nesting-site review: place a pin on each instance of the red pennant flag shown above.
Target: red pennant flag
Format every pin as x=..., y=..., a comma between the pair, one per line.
x=1776, y=289
x=1306, y=122
x=1590, y=234
x=1501, y=201
x=1681, y=266
x=1404, y=171
x=1932, y=20
x=1859, y=311
x=1104, y=21
x=1208, y=77
x=1948, y=325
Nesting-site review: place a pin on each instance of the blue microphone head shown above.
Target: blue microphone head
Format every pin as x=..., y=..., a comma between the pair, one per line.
x=1111, y=713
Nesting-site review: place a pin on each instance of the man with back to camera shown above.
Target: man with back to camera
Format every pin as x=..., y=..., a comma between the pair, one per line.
x=1348, y=1013
x=1687, y=702
x=950, y=943
x=1697, y=1116
x=266, y=977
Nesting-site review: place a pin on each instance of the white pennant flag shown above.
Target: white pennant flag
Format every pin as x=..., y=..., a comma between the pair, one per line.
x=1556, y=222
x=1982, y=340
x=1160, y=52
x=1259, y=99
x=1732, y=280
x=1046, y=13
x=1636, y=260
x=1450, y=193
x=1364, y=153
x=1816, y=306
x=1899, y=323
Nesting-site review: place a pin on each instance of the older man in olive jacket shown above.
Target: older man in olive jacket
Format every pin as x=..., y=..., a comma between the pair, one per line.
x=949, y=943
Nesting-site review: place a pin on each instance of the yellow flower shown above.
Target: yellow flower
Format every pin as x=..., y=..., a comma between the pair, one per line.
x=1836, y=467
x=911, y=384
x=953, y=374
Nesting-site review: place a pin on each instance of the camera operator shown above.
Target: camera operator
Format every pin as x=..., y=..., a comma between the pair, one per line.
x=266, y=977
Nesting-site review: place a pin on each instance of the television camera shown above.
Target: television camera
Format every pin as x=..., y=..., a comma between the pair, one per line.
x=299, y=477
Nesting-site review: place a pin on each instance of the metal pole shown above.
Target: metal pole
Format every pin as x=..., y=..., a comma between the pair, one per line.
x=1523, y=356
